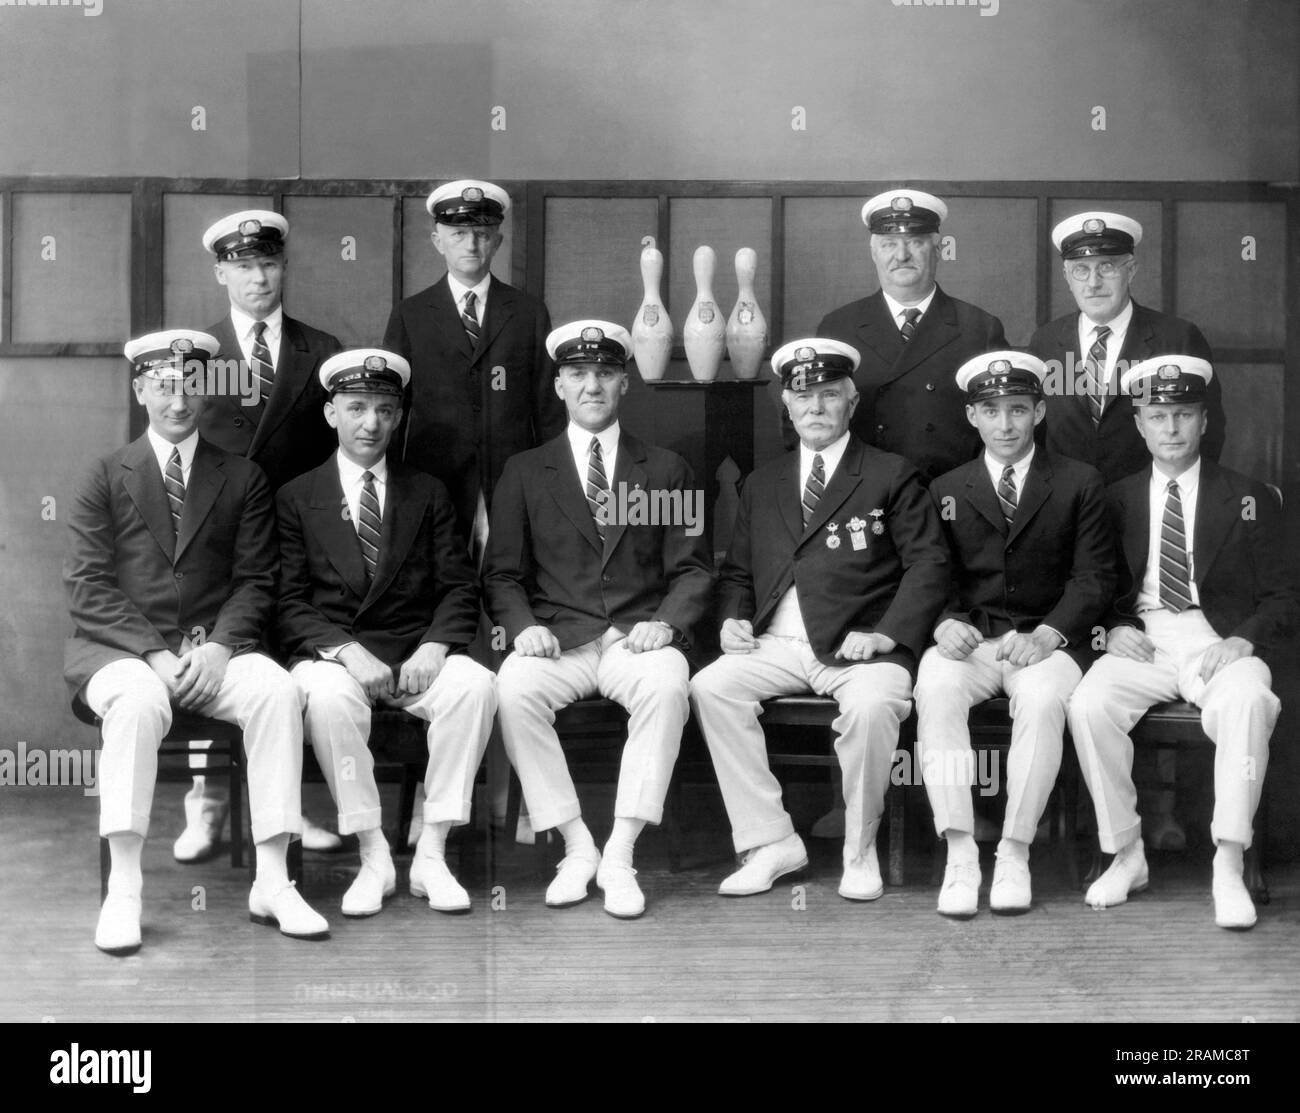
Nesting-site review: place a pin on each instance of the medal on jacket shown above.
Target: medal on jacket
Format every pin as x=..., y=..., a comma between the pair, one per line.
x=833, y=541
x=877, y=527
x=857, y=534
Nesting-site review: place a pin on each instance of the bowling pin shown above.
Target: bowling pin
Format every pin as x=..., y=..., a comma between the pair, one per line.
x=704, y=334
x=747, y=327
x=652, y=331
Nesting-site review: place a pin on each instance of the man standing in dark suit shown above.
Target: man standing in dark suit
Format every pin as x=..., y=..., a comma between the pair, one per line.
x=482, y=385
x=912, y=337
x=279, y=426
x=171, y=582
x=596, y=569
x=378, y=602
x=1088, y=416
x=836, y=572
x=1205, y=595
x=1033, y=572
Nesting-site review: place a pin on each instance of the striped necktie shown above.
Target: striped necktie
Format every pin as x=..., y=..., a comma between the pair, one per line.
x=1097, y=374
x=263, y=368
x=469, y=317
x=1007, y=493
x=1175, y=572
x=597, y=487
x=910, y=317
x=812, y=491
x=173, y=480
x=368, y=523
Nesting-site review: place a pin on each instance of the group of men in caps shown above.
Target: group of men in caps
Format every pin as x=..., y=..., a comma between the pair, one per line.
x=951, y=526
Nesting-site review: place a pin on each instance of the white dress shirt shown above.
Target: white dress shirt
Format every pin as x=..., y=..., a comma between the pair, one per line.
x=1189, y=483
x=899, y=311
x=350, y=478
x=787, y=619
x=1114, y=340
x=1019, y=471
x=580, y=446
x=243, y=326
x=459, y=290
x=162, y=449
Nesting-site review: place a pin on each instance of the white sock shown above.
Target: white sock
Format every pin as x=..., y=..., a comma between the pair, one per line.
x=433, y=840
x=1014, y=848
x=272, y=869
x=576, y=836
x=374, y=847
x=962, y=848
x=622, y=840
x=126, y=877
x=1229, y=858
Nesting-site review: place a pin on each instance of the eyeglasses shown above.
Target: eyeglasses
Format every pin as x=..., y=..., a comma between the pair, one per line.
x=478, y=235
x=1081, y=272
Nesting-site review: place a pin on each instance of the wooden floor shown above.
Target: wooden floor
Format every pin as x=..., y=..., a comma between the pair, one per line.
x=797, y=953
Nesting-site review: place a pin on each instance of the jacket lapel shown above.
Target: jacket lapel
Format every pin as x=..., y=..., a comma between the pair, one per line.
x=567, y=489
x=403, y=513
x=207, y=477
x=1215, y=511
x=1137, y=527
x=500, y=309
x=144, y=486
x=789, y=496
x=842, y=484
x=878, y=332
x=981, y=495
x=1038, y=489
x=291, y=379
x=445, y=317
x=332, y=527
x=629, y=475
x=937, y=329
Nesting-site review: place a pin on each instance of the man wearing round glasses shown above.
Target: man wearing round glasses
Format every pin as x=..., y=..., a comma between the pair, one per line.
x=1088, y=417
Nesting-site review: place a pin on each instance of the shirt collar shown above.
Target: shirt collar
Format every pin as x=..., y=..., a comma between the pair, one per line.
x=350, y=471
x=1188, y=482
x=580, y=442
x=897, y=307
x=1020, y=469
x=459, y=289
x=831, y=455
x=1118, y=326
x=243, y=323
x=162, y=448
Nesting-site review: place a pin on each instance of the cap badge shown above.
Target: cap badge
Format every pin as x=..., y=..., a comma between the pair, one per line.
x=1169, y=371
x=592, y=335
x=1000, y=366
x=901, y=204
x=1094, y=225
x=250, y=227
x=376, y=363
x=471, y=193
x=805, y=354
x=182, y=346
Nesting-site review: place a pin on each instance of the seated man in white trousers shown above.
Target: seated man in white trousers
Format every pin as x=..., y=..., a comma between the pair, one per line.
x=1033, y=572
x=836, y=573
x=1205, y=592
x=171, y=584
x=596, y=570
x=378, y=603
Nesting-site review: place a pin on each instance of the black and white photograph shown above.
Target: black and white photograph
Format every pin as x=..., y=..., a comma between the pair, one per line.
x=650, y=512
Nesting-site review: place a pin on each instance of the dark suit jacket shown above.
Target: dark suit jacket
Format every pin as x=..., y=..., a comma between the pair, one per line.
x=424, y=589
x=545, y=564
x=134, y=587
x=910, y=403
x=1115, y=447
x=896, y=585
x=1239, y=560
x=465, y=418
x=1056, y=563
x=286, y=434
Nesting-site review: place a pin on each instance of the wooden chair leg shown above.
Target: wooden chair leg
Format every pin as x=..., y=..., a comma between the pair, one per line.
x=896, y=817
x=105, y=865
x=405, y=808
x=672, y=824
x=237, y=805
x=294, y=862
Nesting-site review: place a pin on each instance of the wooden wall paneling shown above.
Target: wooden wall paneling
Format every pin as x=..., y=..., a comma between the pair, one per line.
x=6, y=265
x=592, y=256
x=996, y=259
x=1149, y=285
x=827, y=261
x=191, y=296
x=1254, y=398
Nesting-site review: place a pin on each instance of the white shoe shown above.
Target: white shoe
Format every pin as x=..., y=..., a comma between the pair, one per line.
x=1010, y=893
x=572, y=876
x=861, y=880
x=372, y=885
x=430, y=878
x=763, y=865
x=201, y=835
x=118, y=929
x=623, y=897
x=315, y=837
x=1233, y=908
x=831, y=825
x=284, y=907
x=959, y=897
x=1127, y=873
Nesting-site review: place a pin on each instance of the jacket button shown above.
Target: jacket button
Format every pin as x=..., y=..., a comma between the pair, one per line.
x=929, y=426
x=238, y=422
x=606, y=580
x=929, y=386
x=880, y=428
x=179, y=575
x=1012, y=589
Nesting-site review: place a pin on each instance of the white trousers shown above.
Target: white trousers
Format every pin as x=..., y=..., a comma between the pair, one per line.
x=873, y=700
x=136, y=711
x=458, y=706
x=1238, y=713
x=945, y=692
x=652, y=686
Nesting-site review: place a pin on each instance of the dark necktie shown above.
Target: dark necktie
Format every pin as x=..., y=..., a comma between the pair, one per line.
x=263, y=368
x=469, y=318
x=1175, y=577
x=1007, y=493
x=174, y=481
x=910, y=317
x=812, y=491
x=597, y=487
x=368, y=523
x=1097, y=374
